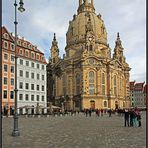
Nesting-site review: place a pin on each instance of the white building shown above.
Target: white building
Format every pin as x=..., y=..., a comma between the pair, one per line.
x=31, y=77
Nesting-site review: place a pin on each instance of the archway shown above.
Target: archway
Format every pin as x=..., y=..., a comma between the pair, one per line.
x=116, y=105
x=92, y=104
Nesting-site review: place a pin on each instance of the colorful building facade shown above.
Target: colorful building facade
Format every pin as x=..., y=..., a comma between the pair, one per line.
x=31, y=74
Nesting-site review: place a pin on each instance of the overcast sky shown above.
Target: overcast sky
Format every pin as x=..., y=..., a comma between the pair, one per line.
x=44, y=17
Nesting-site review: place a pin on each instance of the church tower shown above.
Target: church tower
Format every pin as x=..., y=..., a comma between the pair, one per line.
x=54, y=51
x=118, y=50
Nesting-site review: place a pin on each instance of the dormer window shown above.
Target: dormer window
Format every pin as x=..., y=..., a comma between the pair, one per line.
x=6, y=36
x=30, y=46
x=19, y=42
x=25, y=44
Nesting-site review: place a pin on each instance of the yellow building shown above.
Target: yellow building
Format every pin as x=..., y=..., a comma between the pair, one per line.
x=92, y=77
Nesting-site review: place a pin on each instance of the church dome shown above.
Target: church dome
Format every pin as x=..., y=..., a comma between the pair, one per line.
x=78, y=26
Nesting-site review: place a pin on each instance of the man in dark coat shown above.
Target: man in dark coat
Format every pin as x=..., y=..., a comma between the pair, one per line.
x=126, y=117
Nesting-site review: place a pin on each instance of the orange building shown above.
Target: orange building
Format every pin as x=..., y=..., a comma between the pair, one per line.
x=8, y=69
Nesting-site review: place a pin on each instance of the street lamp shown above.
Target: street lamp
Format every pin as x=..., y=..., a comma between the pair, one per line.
x=21, y=9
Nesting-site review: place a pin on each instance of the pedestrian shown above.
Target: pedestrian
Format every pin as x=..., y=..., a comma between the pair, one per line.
x=109, y=112
x=126, y=117
x=101, y=112
x=139, y=119
x=86, y=112
x=131, y=113
x=89, y=112
x=134, y=119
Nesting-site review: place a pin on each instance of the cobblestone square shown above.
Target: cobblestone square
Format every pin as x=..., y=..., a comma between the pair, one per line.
x=74, y=132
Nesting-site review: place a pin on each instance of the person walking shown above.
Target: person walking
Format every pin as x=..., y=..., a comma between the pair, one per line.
x=139, y=119
x=90, y=112
x=126, y=117
x=131, y=113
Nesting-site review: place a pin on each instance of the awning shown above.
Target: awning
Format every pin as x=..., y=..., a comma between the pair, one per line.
x=27, y=106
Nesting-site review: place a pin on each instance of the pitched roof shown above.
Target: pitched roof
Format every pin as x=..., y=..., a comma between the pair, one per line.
x=139, y=86
x=28, y=45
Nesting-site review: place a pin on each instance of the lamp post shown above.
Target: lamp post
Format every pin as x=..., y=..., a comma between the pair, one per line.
x=21, y=9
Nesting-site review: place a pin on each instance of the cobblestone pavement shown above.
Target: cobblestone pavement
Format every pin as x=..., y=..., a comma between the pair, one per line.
x=74, y=132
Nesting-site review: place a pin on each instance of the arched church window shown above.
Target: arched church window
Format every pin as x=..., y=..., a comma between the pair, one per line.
x=91, y=83
x=115, y=85
x=103, y=84
x=78, y=81
x=91, y=77
x=105, y=103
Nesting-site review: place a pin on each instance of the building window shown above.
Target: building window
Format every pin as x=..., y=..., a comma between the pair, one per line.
x=91, y=77
x=27, y=74
x=5, y=68
x=32, y=97
x=27, y=63
x=12, y=58
x=43, y=77
x=5, y=80
x=32, y=64
x=32, y=55
x=25, y=44
x=37, y=57
x=38, y=98
x=5, y=56
x=21, y=52
x=32, y=75
x=5, y=44
x=91, y=89
x=26, y=53
x=32, y=86
x=105, y=103
x=38, y=66
x=37, y=87
x=11, y=94
x=12, y=47
x=103, y=84
x=5, y=94
x=21, y=85
x=21, y=62
x=91, y=83
x=42, y=67
x=78, y=81
x=42, y=58
x=115, y=85
x=6, y=36
x=38, y=76
x=42, y=87
x=12, y=81
x=27, y=86
x=12, y=69
x=42, y=98
x=26, y=97
x=20, y=96
x=21, y=73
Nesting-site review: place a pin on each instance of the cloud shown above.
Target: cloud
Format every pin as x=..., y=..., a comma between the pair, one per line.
x=44, y=17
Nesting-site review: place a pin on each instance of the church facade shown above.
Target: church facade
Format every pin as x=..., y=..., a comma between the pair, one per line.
x=91, y=76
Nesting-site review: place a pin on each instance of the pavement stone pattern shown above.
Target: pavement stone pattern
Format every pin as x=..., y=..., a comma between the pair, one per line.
x=74, y=132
